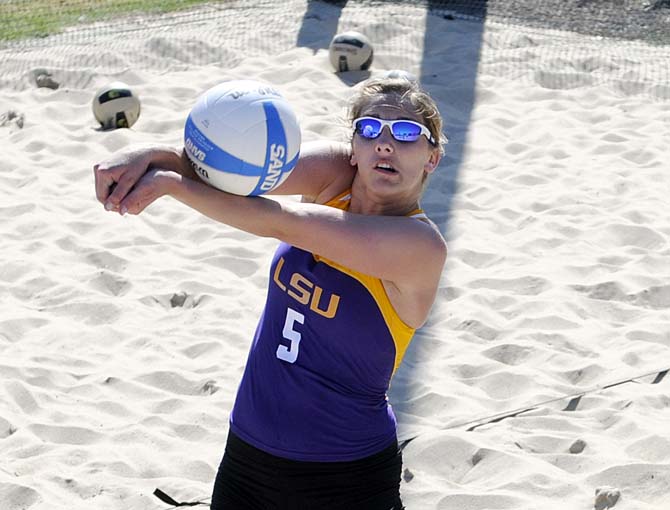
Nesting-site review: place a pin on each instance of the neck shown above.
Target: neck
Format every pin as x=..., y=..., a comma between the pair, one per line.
x=365, y=202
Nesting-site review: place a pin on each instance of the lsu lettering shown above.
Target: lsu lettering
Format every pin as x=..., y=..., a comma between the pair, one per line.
x=305, y=292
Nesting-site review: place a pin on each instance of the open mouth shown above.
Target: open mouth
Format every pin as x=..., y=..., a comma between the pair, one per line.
x=386, y=168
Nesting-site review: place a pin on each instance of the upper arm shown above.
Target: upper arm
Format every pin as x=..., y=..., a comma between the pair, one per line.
x=403, y=250
x=323, y=169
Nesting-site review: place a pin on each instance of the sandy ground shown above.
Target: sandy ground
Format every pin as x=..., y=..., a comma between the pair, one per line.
x=122, y=340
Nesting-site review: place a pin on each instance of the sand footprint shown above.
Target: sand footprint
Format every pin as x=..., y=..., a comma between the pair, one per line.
x=562, y=80
x=110, y=283
x=66, y=434
x=6, y=428
x=526, y=285
x=651, y=448
x=607, y=291
x=479, y=329
x=179, y=299
x=618, y=235
x=174, y=383
x=14, y=330
x=107, y=260
x=509, y=354
x=18, y=497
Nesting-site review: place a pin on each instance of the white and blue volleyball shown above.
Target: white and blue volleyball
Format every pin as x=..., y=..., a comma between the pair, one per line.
x=242, y=137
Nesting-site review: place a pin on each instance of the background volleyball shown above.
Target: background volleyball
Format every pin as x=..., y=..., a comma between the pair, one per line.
x=350, y=51
x=116, y=106
x=400, y=73
x=242, y=137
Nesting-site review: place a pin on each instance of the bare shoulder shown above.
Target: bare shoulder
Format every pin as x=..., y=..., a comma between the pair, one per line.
x=413, y=290
x=323, y=169
x=433, y=249
x=436, y=234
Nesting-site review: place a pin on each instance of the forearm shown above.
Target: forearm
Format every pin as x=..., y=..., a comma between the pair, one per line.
x=395, y=248
x=169, y=158
x=256, y=215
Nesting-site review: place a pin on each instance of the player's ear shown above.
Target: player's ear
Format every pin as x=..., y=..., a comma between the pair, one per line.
x=434, y=160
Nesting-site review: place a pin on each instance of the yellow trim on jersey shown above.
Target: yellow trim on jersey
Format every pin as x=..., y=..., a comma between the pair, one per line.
x=402, y=333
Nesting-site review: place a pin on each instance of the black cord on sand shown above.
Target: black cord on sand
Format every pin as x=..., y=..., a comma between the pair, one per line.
x=572, y=405
x=167, y=499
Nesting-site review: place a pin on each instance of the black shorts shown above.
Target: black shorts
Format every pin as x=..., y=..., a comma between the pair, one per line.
x=250, y=479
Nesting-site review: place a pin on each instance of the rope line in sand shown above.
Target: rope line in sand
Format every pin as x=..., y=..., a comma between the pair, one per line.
x=575, y=399
x=573, y=404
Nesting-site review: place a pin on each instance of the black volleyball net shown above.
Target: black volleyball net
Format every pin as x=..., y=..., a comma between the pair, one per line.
x=622, y=42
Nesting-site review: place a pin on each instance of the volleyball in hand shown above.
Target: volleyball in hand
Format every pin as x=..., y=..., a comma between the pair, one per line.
x=350, y=51
x=116, y=106
x=242, y=137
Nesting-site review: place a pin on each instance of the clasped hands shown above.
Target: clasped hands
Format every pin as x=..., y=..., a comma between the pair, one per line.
x=127, y=183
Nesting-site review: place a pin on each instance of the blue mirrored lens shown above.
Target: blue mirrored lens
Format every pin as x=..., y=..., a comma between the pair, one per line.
x=406, y=131
x=368, y=128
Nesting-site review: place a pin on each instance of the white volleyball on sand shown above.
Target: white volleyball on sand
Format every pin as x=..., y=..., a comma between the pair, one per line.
x=243, y=137
x=350, y=51
x=400, y=73
x=116, y=106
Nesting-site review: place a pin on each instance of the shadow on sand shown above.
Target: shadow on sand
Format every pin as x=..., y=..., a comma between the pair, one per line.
x=452, y=38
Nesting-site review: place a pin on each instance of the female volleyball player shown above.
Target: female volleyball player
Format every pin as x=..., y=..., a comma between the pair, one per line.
x=355, y=273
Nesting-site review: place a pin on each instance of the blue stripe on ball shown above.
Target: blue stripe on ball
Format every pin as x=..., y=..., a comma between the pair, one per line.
x=275, y=150
x=215, y=157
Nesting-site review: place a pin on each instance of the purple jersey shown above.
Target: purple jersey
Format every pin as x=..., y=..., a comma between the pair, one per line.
x=326, y=346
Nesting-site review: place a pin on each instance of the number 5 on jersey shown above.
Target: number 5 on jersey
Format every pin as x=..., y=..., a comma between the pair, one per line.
x=290, y=354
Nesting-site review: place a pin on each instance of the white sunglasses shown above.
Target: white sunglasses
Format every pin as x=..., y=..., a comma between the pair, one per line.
x=401, y=130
